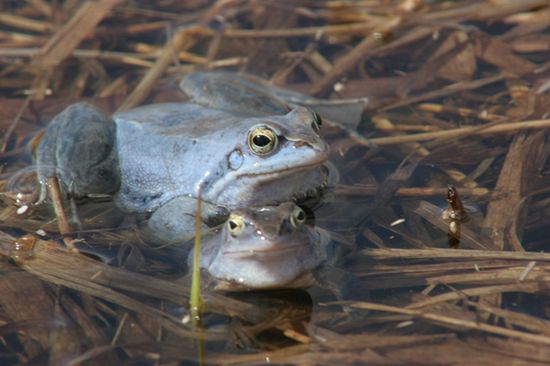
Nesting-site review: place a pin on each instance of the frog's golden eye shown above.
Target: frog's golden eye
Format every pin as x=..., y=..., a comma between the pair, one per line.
x=235, y=225
x=262, y=140
x=316, y=123
x=297, y=217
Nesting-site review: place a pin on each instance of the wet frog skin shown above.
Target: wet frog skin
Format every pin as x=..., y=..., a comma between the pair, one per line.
x=155, y=159
x=263, y=248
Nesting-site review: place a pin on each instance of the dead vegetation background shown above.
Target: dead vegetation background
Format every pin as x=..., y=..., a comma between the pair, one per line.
x=458, y=96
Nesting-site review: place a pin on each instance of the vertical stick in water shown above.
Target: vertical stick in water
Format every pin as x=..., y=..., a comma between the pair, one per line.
x=196, y=298
x=57, y=201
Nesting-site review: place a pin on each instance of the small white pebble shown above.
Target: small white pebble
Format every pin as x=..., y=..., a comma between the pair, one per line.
x=21, y=210
x=338, y=87
x=397, y=222
x=544, y=87
x=99, y=195
x=454, y=227
x=40, y=232
x=404, y=324
x=186, y=319
x=319, y=34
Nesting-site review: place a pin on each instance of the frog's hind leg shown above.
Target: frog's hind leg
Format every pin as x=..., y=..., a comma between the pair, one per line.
x=79, y=148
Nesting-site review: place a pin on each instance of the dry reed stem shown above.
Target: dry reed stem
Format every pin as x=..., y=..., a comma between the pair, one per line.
x=179, y=41
x=371, y=190
x=461, y=132
x=478, y=291
x=65, y=40
x=510, y=274
x=61, y=216
x=533, y=323
x=446, y=90
x=454, y=322
x=454, y=254
x=25, y=23
x=347, y=63
x=345, y=29
x=9, y=131
x=474, y=272
x=42, y=6
x=484, y=11
x=417, y=148
x=70, y=268
x=463, y=112
x=512, y=184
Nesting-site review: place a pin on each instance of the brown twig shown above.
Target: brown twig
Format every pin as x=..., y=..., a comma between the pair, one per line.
x=456, y=322
x=57, y=202
x=181, y=40
x=345, y=64
x=461, y=132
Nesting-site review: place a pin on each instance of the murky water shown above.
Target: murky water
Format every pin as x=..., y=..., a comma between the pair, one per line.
x=452, y=88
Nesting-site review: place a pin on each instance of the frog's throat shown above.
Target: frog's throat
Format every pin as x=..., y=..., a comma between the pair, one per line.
x=303, y=280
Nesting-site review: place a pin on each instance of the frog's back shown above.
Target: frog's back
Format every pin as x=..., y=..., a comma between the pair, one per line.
x=161, y=148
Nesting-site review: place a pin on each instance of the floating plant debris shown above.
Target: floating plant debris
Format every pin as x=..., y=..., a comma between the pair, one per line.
x=458, y=104
x=22, y=248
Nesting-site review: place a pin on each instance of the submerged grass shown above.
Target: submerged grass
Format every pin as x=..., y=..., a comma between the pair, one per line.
x=196, y=303
x=196, y=298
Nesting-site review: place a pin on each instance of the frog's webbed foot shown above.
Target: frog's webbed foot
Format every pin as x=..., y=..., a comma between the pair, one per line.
x=243, y=94
x=174, y=222
x=78, y=147
x=342, y=284
x=250, y=95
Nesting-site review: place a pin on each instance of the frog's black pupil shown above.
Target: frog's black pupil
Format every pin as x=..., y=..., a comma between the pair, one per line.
x=261, y=140
x=232, y=225
x=301, y=216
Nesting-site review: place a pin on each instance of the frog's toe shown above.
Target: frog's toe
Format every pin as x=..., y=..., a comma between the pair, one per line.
x=78, y=147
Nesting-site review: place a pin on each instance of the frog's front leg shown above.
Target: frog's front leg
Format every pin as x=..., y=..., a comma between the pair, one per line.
x=79, y=148
x=174, y=222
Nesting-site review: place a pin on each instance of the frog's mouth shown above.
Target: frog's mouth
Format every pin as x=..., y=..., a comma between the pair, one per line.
x=296, y=183
x=307, y=192
x=275, y=249
x=283, y=172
